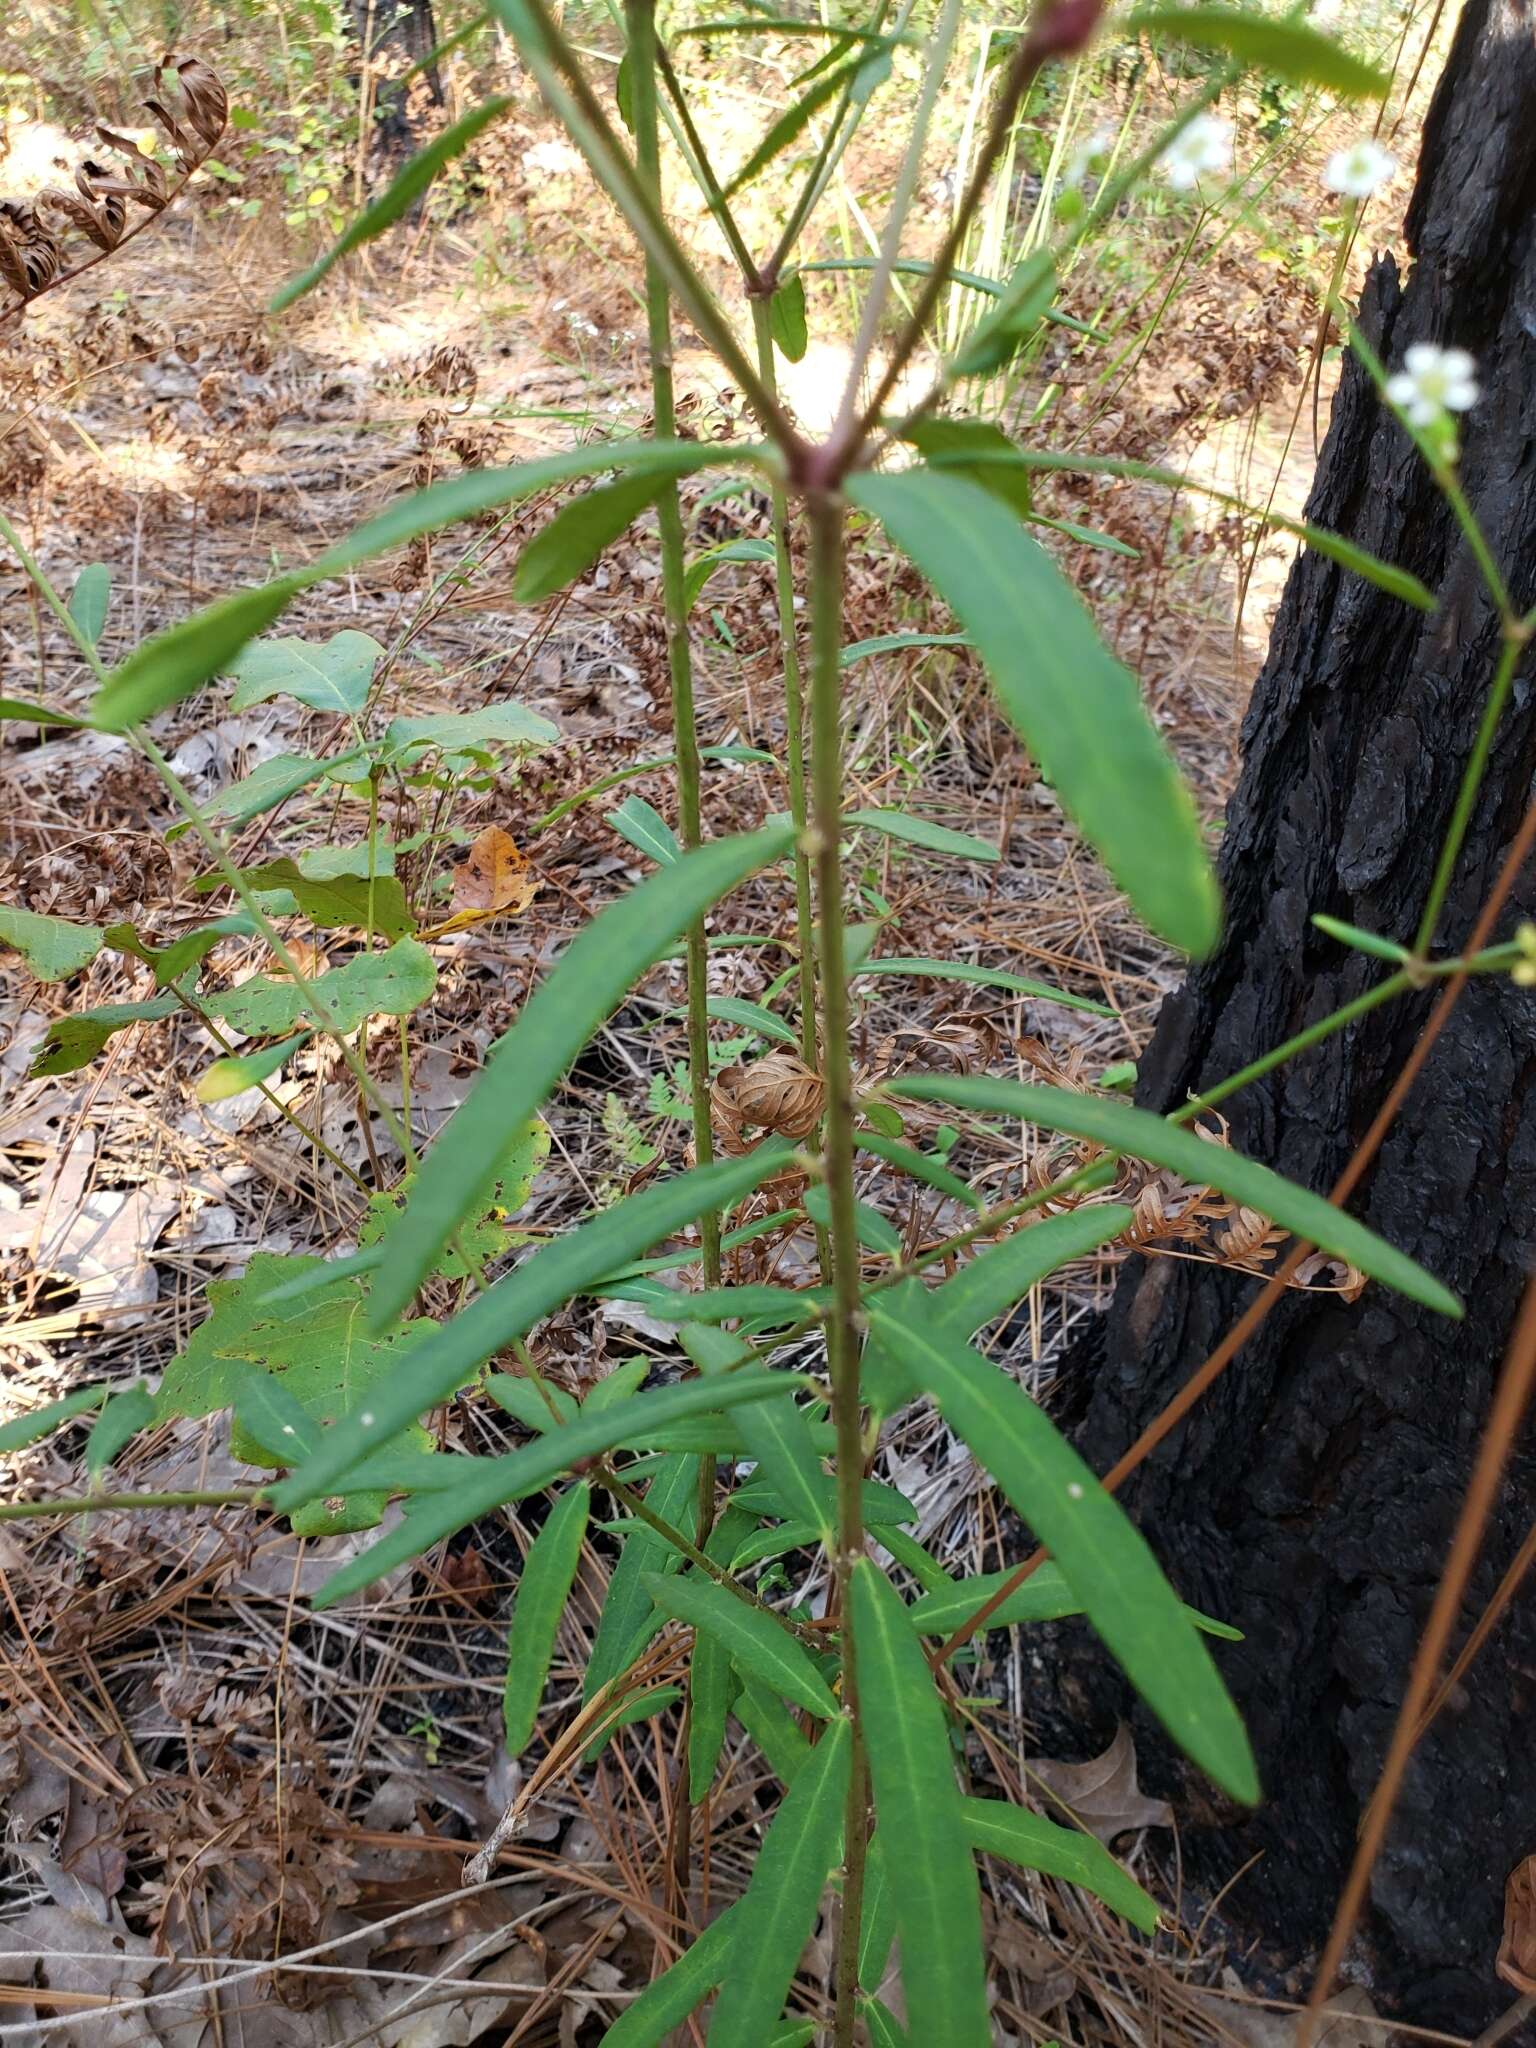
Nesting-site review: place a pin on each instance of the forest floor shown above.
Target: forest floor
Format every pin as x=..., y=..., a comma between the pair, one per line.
x=202, y=1775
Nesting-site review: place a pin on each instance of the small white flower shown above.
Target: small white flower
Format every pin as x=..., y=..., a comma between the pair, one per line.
x=1360, y=170
x=1205, y=145
x=1433, y=381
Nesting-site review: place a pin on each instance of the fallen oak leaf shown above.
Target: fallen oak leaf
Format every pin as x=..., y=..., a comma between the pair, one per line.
x=1517, y=1951
x=493, y=880
x=1102, y=1795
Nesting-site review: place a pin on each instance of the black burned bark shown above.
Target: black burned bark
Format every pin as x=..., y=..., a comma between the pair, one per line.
x=1310, y=1499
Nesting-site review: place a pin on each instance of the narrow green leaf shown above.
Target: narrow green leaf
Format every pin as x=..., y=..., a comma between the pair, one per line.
x=52, y=947
x=1025, y=1839
x=1103, y=1556
x=89, y=599
x=1086, y=536
x=18, y=711
x=983, y=977
x=510, y=1308
x=919, y=1165
x=746, y=549
x=572, y=541
x=593, y=975
x=549, y=1572
x=1361, y=941
x=525, y=1401
x=644, y=826
x=332, y=677
x=752, y=1017
x=786, y=318
x=486, y=1483
x=778, y=1435
x=668, y=1999
x=1287, y=49
x=240, y=1071
x=777, y=1913
x=773, y=1306
x=954, y=441
x=22, y=1430
x=172, y=962
x=123, y=1416
x=1025, y=300
x=171, y=665
x=921, y=1822
x=629, y=1618
x=174, y=663
x=267, y=1412
x=1078, y=708
x=758, y=1644
x=412, y=181
x=774, y=1729
x=998, y=1278
x=712, y=1679
x=884, y=2032
x=1126, y=1129
x=1044, y=1596
x=923, y=832
x=794, y=120
x=875, y=1231
x=877, y=1922
x=618, y=1385
x=898, y=643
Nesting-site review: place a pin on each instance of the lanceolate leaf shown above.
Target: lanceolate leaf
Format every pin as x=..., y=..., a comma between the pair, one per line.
x=777, y=1914
x=923, y=832
x=172, y=664
x=1136, y=1131
x=752, y=1017
x=1033, y=1843
x=1077, y=707
x=511, y=1307
x=983, y=977
x=1288, y=49
x=22, y=1430
x=794, y=119
x=907, y=1159
x=488, y=1483
x=644, y=826
x=920, y=1823
x=877, y=1922
x=241, y=1071
x=998, y=1278
x=400, y=197
x=1100, y=1551
x=629, y=1619
x=712, y=1679
x=667, y=2001
x=786, y=318
x=759, y=1645
x=592, y=976
x=579, y=532
x=549, y=1571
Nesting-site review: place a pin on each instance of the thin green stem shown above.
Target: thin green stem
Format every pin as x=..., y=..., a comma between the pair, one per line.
x=1394, y=985
x=1471, y=782
x=641, y=17
x=32, y=1510
x=794, y=716
x=826, y=514
x=702, y=168
x=563, y=83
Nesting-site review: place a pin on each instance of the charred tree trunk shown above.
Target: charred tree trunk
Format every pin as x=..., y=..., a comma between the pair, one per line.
x=395, y=36
x=1310, y=1500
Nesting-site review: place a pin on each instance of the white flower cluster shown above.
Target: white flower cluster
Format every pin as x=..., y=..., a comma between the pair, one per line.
x=1361, y=170
x=1205, y=145
x=1432, y=382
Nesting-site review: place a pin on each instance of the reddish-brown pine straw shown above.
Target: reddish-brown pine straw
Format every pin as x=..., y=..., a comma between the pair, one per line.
x=1253, y=1316
x=1509, y=1405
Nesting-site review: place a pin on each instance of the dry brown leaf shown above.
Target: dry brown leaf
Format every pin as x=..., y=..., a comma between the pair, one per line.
x=493, y=880
x=1345, y=2022
x=776, y=1093
x=1103, y=1794
x=1517, y=1951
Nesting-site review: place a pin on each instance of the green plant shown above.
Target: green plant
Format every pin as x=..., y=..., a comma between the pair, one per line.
x=871, y=1802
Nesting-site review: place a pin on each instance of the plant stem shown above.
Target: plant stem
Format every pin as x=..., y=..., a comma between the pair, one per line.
x=794, y=712
x=641, y=17
x=233, y=1497
x=843, y=1331
x=1471, y=782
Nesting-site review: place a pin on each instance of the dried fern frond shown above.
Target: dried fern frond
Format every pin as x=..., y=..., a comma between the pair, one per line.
x=34, y=239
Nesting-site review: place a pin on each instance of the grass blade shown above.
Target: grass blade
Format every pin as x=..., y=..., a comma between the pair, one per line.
x=983, y=977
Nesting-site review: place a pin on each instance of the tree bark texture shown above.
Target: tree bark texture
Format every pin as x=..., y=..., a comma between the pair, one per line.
x=1310, y=1499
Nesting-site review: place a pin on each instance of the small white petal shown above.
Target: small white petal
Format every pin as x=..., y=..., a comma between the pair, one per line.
x=1421, y=359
